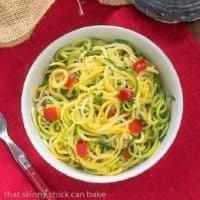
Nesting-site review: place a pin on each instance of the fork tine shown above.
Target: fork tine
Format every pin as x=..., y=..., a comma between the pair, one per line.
x=1, y=115
x=2, y=119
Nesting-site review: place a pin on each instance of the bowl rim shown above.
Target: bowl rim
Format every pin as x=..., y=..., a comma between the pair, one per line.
x=85, y=176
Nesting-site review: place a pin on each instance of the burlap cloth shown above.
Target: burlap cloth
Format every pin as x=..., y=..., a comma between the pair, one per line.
x=19, y=17
x=115, y=2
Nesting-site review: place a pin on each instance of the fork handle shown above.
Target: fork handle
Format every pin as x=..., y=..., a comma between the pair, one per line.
x=39, y=184
x=32, y=174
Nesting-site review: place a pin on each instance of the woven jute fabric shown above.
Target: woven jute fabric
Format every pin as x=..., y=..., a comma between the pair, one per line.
x=18, y=18
x=115, y=2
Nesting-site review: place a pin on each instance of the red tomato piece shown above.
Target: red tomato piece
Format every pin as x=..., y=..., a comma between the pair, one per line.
x=82, y=148
x=125, y=94
x=140, y=65
x=111, y=113
x=126, y=154
x=50, y=113
x=71, y=80
x=136, y=127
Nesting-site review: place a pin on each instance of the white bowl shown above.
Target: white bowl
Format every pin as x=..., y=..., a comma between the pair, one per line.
x=151, y=51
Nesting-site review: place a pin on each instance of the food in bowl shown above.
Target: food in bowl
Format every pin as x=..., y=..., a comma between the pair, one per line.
x=101, y=107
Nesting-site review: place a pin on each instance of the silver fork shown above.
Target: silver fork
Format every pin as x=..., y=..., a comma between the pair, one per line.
x=24, y=163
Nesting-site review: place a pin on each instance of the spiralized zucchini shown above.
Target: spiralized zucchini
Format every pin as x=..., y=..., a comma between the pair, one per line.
x=91, y=111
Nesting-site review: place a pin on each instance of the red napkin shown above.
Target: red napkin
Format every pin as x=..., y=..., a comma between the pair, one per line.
x=176, y=176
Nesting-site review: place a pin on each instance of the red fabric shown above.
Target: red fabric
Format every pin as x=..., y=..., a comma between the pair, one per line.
x=176, y=176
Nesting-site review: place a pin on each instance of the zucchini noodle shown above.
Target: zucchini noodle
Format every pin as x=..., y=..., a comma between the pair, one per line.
x=91, y=111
